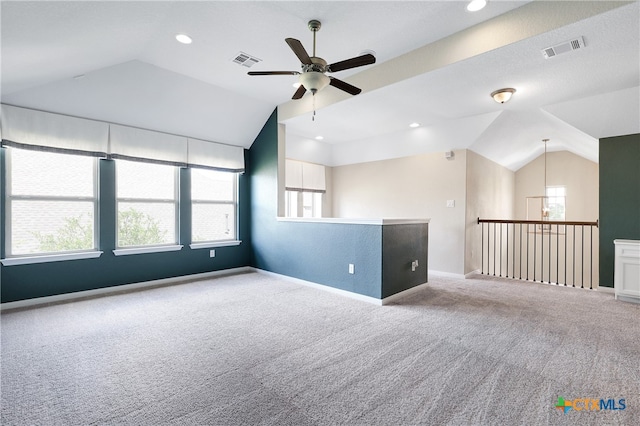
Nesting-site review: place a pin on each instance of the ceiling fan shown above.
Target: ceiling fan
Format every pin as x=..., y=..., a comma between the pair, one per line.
x=313, y=76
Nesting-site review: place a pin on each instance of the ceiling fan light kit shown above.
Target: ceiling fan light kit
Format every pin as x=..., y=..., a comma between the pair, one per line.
x=313, y=77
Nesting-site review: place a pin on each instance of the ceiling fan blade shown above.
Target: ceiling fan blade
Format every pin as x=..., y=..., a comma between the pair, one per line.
x=299, y=50
x=358, y=61
x=273, y=73
x=339, y=84
x=299, y=93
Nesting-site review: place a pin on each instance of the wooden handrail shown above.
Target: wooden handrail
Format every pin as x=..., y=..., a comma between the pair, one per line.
x=539, y=222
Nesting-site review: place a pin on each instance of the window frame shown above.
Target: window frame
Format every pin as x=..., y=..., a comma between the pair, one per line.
x=316, y=204
x=51, y=256
x=150, y=248
x=223, y=242
x=563, y=197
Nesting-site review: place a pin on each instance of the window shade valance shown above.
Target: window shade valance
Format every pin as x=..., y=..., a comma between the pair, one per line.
x=215, y=156
x=302, y=176
x=31, y=129
x=130, y=143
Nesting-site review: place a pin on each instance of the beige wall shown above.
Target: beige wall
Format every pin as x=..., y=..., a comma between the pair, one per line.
x=490, y=195
x=579, y=176
x=410, y=187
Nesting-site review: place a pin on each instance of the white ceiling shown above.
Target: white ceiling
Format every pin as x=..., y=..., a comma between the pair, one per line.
x=436, y=65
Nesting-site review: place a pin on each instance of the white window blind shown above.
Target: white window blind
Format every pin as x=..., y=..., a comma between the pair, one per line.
x=36, y=130
x=130, y=143
x=303, y=176
x=215, y=156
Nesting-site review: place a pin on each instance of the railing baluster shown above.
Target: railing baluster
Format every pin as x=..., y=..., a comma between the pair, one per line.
x=582, y=258
x=542, y=253
x=574, y=256
x=520, y=270
x=535, y=252
x=566, y=238
x=528, y=252
x=481, y=248
x=550, y=253
x=494, y=249
x=557, y=253
x=513, y=270
x=591, y=261
x=500, y=252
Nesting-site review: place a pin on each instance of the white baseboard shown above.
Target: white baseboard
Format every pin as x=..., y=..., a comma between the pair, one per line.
x=404, y=293
x=357, y=296
x=118, y=288
x=446, y=274
x=323, y=287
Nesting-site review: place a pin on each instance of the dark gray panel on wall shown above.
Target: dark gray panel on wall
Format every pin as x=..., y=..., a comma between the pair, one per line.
x=402, y=244
x=619, y=198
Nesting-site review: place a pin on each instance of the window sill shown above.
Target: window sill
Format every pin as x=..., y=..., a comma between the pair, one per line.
x=26, y=260
x=144, y=250
x=211, y=244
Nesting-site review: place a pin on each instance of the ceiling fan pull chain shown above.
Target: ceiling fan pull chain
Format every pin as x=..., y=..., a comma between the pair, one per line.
x=313, y=97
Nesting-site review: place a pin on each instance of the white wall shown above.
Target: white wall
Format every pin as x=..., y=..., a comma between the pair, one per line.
x=410, y=187
x=490, y=195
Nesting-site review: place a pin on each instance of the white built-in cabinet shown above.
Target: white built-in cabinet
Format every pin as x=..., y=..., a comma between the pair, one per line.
x=626, y=277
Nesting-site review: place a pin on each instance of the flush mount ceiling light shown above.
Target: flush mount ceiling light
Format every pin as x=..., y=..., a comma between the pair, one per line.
x=414, y=125
x=476, y=5
x=319, y=138
x=502, y=95
x=183, y=38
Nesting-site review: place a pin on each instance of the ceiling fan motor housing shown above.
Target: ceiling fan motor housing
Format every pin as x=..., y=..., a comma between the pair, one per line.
x=318, y=65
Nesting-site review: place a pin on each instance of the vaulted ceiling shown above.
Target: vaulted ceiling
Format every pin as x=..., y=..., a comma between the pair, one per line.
x=436, y=65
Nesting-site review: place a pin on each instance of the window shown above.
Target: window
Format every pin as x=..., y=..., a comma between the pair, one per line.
x=303, y=204
x=213, y=205
x=556, y=202
x=51, y=202
x=147, y=204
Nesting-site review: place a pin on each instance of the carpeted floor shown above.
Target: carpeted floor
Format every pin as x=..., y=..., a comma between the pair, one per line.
x=252, y=349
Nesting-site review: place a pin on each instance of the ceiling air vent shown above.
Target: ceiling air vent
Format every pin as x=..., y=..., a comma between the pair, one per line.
x=567, y=46
x=246, y=60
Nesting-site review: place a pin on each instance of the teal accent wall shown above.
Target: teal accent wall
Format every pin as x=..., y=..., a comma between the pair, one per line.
x=20, y=282
x=321, y=252
x=619, y=198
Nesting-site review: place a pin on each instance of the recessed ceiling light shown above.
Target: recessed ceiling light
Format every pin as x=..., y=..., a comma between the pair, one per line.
x=414, y=125
x=183, y=38
x=476, y=5
x=319, y=138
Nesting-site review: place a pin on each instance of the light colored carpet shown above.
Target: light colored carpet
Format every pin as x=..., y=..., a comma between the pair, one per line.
x=253, y=349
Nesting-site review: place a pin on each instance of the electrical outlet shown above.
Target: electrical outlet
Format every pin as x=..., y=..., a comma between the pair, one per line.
x=351, y=268
x=451, y=203
x=212, y=253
